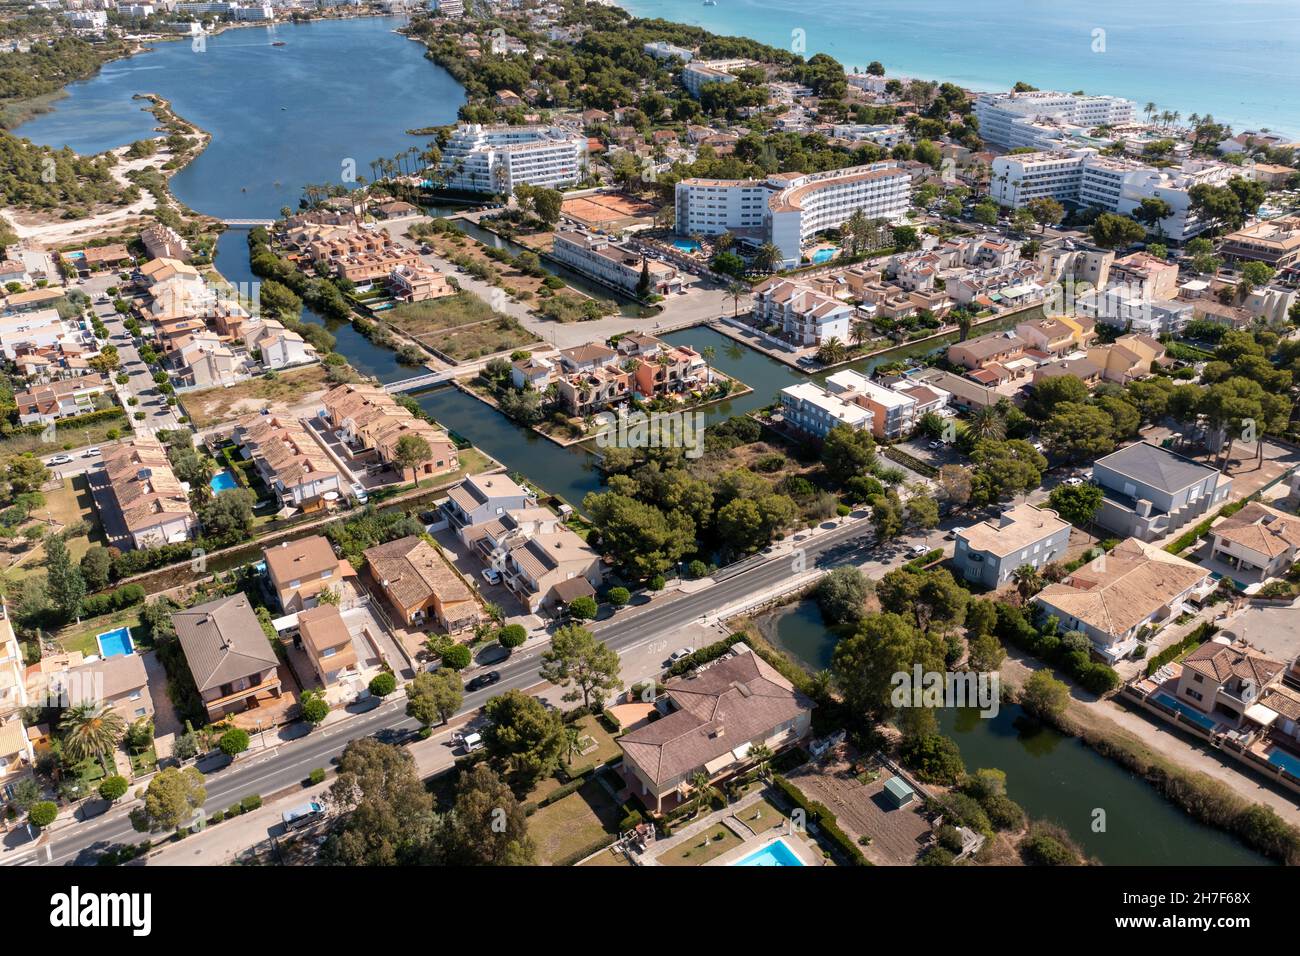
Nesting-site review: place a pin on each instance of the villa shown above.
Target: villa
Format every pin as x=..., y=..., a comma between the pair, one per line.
x=1257, y=538
x=140, y=500
x=289, y=461
x=421, y=586
x=1150, y=492
x=229, y=655
x=990, y=551
x=481, y=499
x=300, y=570
x=372, y=422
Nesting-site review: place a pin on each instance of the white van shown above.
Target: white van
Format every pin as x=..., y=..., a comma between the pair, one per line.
x=472, y=742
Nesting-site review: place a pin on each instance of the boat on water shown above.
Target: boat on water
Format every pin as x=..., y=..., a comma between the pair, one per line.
x=710, y=3
x=278, y=43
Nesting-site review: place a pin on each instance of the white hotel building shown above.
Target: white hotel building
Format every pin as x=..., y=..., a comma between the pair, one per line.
x=1041, y=119
x=1086, y=179
x=496, y=159
x=787, y=209
x=698, y=74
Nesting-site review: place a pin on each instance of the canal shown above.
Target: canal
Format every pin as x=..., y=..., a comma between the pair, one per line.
x=1053, y=776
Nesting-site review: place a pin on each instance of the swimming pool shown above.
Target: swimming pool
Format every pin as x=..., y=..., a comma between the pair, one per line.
x=686, y=245
x=1190, y=713
x=823, y=255
x=776, y=853
x=1288, y=762
x=116, y=643
x=223, y=481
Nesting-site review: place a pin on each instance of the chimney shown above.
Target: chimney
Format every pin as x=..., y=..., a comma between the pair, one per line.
x=1143, y=508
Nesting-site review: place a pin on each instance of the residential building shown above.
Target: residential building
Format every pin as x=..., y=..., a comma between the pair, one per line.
x=710, y=721
x=1275, y=242
x=1012, y=120
x=1055, y=337
x=62, y=398
x=480, y=499
x=1156, y=278
x=985, y=350
x=418, y=284
x=496, y=159
x=164, y=242
x=41, y=329
x=802, y=314
x=670, y=370
x=663, y=50
x=1128, y=308
x=16, y=757
x=328, y=643
x=299, y=571
x=1227, y=681
x=1257, y=538
x=1128, y=358
x=893, y=413
x=229, y=655
x=814, y=411
x=587, y=392
x=1118, y=599
x=697, y=74
x=615, y=265
x=1150, y=492
x=533, y=372
x=551, y=568
x=204, y=361
x=421, y=586
x=289, y=461
x=141, y=503
x=276, y=346
x=989, y=552
x=370, y=420
x=120, y=682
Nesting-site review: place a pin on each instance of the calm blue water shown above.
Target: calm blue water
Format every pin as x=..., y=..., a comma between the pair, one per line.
x=1286, y=761
x=1239, y=61
x=774, y=854
x=115, y=643
x=280, y=117
x=823, y=255
x=222, y=481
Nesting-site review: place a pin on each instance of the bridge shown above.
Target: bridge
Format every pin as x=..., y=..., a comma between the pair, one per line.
x=248, y=222
x=427, y=380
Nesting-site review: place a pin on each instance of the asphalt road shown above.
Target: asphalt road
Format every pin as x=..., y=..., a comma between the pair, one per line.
x=254, y=773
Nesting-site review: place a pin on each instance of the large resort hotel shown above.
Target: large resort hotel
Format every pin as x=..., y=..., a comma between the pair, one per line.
x=787, y=209
x=496, y=159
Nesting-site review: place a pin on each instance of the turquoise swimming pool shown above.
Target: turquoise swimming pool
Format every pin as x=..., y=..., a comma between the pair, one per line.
x=223, y=481
x=686, y=245
x=776, y=853
x=115, y=643
x=1287, y=761
x=823, y=255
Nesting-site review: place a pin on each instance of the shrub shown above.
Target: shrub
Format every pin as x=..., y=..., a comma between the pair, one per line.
x=42, y=814
x=457, y=657
x=234, y=741
x=512, y=636
x=317, y=776
x=113, y=788
x=1042, y=848
x=582, y=608
x=618, y=596
x=314, y=707
x=656, y=583
x=250, y=803
x=697, y=569
x=381, y=685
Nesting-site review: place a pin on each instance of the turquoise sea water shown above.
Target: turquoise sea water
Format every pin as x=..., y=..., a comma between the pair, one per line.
x=1238, y=60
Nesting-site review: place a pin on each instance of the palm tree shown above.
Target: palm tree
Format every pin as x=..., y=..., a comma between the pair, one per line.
x=964, y=322
x=1028, y=581
x=832, y=351
x=987, y=422
x=91, y=730
x=1150, y=110
x=737, y=291
x=767, y=258
x=704, y=789
x=761, y=754
x=572, y=742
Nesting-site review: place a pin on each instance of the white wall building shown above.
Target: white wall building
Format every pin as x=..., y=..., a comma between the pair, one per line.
x=663, y=50
x=698, y=74
x=495, y=159
x=1012, y=120
x=815, y=411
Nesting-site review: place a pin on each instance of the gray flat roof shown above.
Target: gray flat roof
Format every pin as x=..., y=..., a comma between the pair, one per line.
x=1157, y=467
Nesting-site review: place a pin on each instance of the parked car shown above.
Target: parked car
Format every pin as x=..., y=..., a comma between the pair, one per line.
x=491, y=575
x=303, y=816
x=90, y=452
x=952, y=534
x=918, y=549
x=1073, y=481
x=934, y=445
x=360, y=494
x=60, y=460
x=677, y=655
x=483, y=680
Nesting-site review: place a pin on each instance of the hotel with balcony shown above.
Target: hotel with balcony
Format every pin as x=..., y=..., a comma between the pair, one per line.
x=496, y=159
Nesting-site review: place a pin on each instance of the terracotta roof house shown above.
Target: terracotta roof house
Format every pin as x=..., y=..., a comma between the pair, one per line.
x=141, y=502
x=229, y=655
x=986, y=349
x=372, y=420
x=712, y=717
x=60, y=399
x=328, y=643
x=300, y=570
x=289, y=461
x=1228, y=680
x=421, y=586
x=1114, y=597
x=1258, y=538
x=120, y=681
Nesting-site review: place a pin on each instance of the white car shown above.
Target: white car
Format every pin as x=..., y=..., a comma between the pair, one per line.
x=360, y=494
x=677, y=655
x=951, y=535
x=1072, y=481
x=90, y=453
x=60, y=460
x=918, y=550
x=491, y=575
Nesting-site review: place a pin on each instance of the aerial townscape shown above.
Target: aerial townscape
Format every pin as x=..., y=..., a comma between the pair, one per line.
x=522, y=433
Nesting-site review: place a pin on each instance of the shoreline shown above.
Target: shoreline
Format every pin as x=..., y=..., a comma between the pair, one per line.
x=973, y=85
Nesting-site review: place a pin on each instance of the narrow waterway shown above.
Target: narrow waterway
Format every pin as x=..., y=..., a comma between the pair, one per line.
x=1054, y=777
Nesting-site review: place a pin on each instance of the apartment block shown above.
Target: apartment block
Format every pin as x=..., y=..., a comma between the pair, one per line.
x=990, y=551
x=496, y=159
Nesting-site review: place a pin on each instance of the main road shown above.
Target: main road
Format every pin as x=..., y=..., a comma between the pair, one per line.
x=292, y=762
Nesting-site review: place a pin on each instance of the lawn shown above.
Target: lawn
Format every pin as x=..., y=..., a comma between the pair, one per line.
x=701, y=848
x=81, y=637
x=472, y=462
x=281, y=389
x=605, y=746
x=761, y=816
x=573, y=823
x=461, y=326
x=64, y=507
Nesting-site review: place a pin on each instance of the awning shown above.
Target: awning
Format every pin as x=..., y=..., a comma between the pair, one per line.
x=719, y=763
x=1264, y=716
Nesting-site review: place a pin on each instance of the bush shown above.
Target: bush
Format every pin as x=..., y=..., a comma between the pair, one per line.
x=457, y=657
x=234, y=741
x=316, y=776
x=250, y=803
x=113, y=788
x=42, y=814
x=1042, y=848
x=697, y=569
x=512, y=636
x=381, y=685
x=618, y=596
x=656, y=583
x=582, y=608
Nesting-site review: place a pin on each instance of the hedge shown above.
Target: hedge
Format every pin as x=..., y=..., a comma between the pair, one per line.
x=75, y=421
x=910, y=461
x=126, y=596
x=1199, y=636
x=1186, y=540
x=821, y=815
x=1012, y=627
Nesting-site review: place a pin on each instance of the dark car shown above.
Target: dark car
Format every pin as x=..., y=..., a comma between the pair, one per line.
x=483, y=680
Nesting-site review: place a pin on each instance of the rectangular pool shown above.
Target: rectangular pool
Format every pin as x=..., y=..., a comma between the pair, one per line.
x=1287, y=761
x=1190, y=713
x=776, y=853
x=116, y=643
